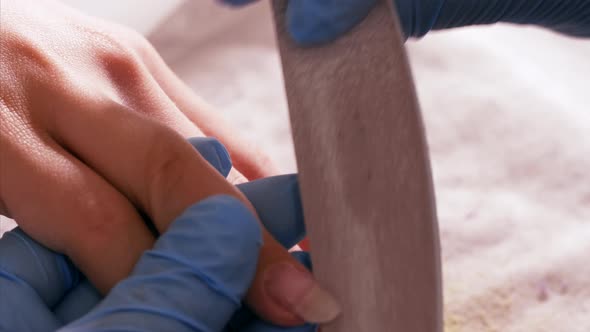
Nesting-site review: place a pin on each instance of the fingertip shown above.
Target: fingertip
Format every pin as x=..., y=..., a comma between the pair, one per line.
x=224, y=157
x=278, y=204
x=214, y=152
x=220, y=220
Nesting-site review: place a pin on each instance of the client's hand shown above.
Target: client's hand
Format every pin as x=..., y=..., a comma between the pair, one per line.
x=192, y=280
x=93, y=127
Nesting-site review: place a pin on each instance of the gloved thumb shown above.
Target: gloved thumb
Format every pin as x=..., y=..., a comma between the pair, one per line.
x=193, y=279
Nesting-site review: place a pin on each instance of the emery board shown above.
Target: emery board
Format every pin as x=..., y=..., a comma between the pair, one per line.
x=365, y=175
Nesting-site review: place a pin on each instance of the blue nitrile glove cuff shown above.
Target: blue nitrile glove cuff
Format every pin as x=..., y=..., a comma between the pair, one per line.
x=313, y=22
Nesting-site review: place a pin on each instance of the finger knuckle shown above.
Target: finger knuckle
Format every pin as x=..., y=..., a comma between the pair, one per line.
x=27, y=66
x=25, y=53
x=121, y=62
x=165, y=170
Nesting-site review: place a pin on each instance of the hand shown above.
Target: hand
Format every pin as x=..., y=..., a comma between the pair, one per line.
x=192, y=280
x=41, y=290
x=92, y=143
x=316, y=21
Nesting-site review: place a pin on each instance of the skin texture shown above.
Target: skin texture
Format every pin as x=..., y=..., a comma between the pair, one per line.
x=92, y=141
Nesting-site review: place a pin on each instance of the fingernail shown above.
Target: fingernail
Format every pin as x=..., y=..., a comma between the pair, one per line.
x=297, y=292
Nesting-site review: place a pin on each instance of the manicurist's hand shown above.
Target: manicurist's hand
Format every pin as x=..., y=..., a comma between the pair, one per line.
x=192, y=280
x=320, y=21
x=92, y=145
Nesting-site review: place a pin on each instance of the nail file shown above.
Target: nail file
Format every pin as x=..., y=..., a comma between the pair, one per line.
x=365, y=175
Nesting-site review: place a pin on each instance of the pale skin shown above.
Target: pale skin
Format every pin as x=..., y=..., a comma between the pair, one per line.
x=93, y=129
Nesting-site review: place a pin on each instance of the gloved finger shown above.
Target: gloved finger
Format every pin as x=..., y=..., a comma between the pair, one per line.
x=16, y=298
x=278, y=204
x=32, y=280
x=313, y=22
x=214, y=152
x=193, y=279
x=77, y=302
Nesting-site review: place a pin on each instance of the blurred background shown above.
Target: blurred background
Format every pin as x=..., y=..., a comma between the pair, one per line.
x=507, y=113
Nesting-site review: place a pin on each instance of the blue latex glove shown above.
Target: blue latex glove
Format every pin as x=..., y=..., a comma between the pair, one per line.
x=320, y=21
x=192, y=280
